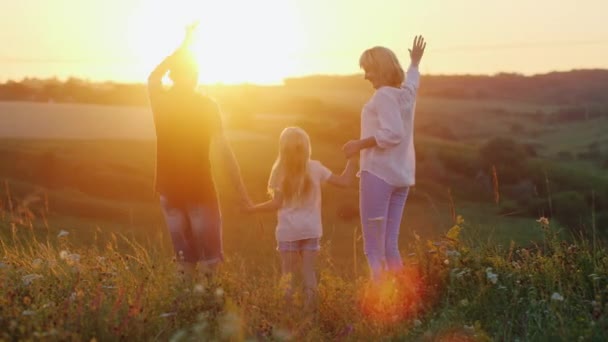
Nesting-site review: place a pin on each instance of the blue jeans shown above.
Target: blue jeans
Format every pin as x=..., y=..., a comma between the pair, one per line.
x=381, y=207
x=195, y=229
x=299, y=245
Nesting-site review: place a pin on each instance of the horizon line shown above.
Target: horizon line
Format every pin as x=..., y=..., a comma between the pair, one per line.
x=282, y=82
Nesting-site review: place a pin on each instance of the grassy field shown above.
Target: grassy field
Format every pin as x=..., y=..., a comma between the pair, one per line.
x=112, y=287
x=88, y=170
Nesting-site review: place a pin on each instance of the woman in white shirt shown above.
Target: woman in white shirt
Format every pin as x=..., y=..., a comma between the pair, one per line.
x=386, y=147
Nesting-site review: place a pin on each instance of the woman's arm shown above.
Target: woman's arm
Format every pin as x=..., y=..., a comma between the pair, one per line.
x=390, y=130
x=347, y=176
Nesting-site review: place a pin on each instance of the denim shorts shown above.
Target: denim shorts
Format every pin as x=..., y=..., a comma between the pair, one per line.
x=299, y=245
x=195, y=229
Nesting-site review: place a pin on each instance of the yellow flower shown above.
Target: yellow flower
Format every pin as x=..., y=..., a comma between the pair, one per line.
x=459, y=219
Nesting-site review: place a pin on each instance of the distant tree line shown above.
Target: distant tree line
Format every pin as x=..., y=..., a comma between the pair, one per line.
x=572, y=88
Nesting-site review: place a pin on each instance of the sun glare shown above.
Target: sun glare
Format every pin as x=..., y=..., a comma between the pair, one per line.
x=238, y=41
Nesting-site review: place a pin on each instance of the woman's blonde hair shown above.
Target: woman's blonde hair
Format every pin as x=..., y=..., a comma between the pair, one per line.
x=384, y=62
x=291, y=167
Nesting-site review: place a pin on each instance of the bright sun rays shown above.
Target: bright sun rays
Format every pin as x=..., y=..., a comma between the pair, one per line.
x=238, y=41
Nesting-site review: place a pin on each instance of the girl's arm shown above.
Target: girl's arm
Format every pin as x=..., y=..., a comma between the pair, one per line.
x=347, y=176
x=273, y=204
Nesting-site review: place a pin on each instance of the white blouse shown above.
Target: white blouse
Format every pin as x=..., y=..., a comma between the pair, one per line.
x=389, y=117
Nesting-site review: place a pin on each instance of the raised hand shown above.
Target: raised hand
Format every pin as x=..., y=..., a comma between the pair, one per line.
x=190, y=32
x=417, y=50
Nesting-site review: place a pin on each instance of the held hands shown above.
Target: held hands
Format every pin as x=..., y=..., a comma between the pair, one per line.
x=245, y=202
x=351, y=148
x=417, y=50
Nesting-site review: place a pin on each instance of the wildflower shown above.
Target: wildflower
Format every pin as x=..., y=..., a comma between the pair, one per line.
x=464, y=302
x=459, y=219
x=492, y=277
x=557, y=297
x=63, y=233
x=446, y=262
x=469, y=328
x=28, y=279
x=417, y=323
x=219, y=292
x=198, y=288
x=543, y=220
x=63, y=255
x=28, y=312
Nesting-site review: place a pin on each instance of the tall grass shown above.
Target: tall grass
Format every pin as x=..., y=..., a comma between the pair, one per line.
x=456, y=288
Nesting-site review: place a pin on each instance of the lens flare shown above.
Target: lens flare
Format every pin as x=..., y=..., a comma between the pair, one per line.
x=395, y=298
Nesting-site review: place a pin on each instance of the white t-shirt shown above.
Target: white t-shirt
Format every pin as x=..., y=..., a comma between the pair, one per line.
x=302, y=221
x=389, y=117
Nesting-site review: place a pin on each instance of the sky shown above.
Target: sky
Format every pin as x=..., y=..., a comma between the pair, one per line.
x=264, y=41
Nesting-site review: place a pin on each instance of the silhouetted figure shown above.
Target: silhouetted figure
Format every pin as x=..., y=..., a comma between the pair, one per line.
x=188, y=124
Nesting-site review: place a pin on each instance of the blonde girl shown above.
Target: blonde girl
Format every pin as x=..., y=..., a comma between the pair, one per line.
x=295, y=190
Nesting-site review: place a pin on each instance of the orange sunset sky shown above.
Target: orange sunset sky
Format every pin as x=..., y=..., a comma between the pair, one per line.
x=264, y=41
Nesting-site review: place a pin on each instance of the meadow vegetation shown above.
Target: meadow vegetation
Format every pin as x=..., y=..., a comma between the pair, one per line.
x=84, y=253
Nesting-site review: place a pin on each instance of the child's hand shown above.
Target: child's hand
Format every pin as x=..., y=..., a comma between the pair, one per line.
x=247, y=206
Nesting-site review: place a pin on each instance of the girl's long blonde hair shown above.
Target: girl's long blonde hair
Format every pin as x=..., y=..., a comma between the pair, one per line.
x=290, y=170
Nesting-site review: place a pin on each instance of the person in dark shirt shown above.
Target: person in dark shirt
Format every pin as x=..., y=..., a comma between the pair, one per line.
x=188, y=124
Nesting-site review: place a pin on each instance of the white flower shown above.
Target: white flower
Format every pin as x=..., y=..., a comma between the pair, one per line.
x=543, y=220
x=198, y=288
x=446, y=262
x=219, y=292
x=492, y=277
x=63, y=233
x=464, y=302
x=469, y=328
x=557, y=297
x=28, y=279
x=69, y=257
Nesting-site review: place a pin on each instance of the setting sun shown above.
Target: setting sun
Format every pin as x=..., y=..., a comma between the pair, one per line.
x=255, y=43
